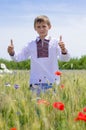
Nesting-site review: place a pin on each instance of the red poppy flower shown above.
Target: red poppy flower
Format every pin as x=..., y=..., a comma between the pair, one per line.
x=58, y=73
x=13, y=129
x=84, y=109
x=42, y=101
x=58, y=105
x=62, y=86
x=81, y=116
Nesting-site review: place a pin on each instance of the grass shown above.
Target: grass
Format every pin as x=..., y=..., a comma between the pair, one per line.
x=19, y=108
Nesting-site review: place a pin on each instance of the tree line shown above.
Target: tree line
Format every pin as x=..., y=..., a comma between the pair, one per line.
x=74, y=63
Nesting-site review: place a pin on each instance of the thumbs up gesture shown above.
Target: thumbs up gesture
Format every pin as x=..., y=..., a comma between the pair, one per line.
x=11, y=48
x=62, y=46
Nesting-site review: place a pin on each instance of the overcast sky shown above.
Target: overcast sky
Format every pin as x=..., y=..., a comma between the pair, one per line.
x=68, y=18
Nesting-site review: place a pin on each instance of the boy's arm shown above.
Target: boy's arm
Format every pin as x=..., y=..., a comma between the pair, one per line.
x=21, y=56
x=64, y=54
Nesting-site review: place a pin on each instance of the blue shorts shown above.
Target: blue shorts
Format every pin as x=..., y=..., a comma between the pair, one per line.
x=40, y=87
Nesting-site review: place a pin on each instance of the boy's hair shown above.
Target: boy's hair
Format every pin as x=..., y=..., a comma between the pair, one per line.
x=42, y=18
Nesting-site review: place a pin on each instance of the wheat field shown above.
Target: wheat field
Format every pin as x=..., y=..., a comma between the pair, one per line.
x=20, y=109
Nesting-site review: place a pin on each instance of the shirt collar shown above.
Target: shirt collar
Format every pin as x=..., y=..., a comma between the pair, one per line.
x=46, y=38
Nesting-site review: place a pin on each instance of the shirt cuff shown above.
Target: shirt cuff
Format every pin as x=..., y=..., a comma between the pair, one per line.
x=12, y=54
x=64, y=53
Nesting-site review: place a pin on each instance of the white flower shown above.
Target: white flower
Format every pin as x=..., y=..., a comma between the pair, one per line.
x=3, y=66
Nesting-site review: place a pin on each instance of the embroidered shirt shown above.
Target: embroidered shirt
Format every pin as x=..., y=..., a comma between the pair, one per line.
x=45, y=64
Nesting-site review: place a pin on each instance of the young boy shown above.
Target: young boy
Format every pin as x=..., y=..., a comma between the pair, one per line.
x=44, y=52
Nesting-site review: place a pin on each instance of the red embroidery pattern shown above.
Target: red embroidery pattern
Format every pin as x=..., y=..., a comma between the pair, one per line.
x=43, y=51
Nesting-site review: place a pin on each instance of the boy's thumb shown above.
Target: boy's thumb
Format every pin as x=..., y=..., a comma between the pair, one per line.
x=11, y=42
x=60, y=38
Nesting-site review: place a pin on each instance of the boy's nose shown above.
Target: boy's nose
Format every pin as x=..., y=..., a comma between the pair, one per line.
x=41, y=28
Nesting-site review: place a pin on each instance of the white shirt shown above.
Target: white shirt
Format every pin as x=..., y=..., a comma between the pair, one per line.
x=42, y=69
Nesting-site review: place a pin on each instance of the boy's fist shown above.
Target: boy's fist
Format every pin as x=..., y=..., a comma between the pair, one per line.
x=11, y=48
x=62, y=46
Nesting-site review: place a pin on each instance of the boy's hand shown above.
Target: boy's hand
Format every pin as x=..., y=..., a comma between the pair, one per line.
x=11, y=48
x=62, y=46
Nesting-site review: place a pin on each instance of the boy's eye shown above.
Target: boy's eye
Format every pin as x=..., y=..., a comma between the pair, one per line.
x=38, y=26
x=41, y=26
x=44, y=26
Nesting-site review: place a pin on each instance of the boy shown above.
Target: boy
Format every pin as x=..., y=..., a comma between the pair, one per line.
x=44, y=52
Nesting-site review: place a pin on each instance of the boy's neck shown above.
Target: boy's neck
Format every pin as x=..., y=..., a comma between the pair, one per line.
x=42, y=38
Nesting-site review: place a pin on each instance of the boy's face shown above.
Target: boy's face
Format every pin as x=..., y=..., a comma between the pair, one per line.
x=42, y=29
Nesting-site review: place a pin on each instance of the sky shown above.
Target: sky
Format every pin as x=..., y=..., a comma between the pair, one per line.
x=68, y=18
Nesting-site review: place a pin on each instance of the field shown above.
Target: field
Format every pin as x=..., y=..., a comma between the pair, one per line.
x=20, y=109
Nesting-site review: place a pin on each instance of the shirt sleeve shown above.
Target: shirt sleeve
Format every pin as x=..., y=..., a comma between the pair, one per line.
x=24, y=54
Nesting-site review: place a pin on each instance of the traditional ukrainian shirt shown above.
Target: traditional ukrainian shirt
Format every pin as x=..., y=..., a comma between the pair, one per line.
x=44, y=59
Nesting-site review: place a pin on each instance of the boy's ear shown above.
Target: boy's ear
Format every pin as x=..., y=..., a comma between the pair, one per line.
x=49, y=26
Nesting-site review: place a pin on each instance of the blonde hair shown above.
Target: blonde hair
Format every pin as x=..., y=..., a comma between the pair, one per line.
x=42, y=18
